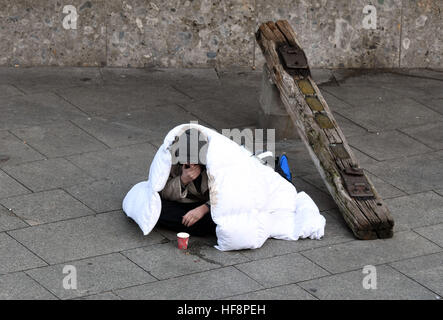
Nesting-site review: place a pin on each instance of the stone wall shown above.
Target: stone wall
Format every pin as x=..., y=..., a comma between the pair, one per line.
x=201, y=33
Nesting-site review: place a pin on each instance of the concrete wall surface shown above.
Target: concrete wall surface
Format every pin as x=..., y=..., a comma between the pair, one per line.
x=200, y=33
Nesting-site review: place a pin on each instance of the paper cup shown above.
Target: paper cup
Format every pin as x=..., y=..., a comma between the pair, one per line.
x=182, y=239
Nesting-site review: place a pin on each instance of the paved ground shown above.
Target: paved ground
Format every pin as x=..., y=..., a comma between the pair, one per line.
x=73, y=141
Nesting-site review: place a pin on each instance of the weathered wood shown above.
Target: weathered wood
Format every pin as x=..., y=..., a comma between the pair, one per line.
x=317, y=127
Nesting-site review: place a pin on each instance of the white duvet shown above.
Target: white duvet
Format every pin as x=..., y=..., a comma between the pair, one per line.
x=250, y=202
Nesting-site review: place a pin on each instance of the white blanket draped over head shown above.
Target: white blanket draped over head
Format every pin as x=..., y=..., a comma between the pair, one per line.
x=250, y=202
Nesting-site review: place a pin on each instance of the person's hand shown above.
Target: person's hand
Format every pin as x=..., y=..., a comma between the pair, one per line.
x=190, y=173
x=194, y=215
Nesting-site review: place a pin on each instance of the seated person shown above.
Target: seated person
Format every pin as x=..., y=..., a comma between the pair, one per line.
x=185, y=199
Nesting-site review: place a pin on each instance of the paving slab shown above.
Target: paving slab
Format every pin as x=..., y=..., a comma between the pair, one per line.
x=237, y=93
x=165, y=261
x=397, y=113
x=336, y=231
x=47, y=206
x=420, y=72
x=298, y=157
x=59, y=139
x=78, y=114
x=355, y=96
x=385, y=189
x=282, y=270
x=43, y=79
x=111, y=132
x=322, y=199
x=363, y=159
x=242, y=77
x=10, y=187
x=390, y=82
x=100, y=296
x=416, y=210
x=225, y=282
x=9, y=221
x=434, y=103
x=84, y=237
x=416, y=88
x=112, y=98
x=101, y=196
x=210, y=240
x=388, y=145
x=349, y=128
x=15, y=257
x=94, y=275
x=19, y=286
x=412, y=174
x=222, y=113
x=159, y=76
x=202, y=248
x=391, y=285
x=335, y=104
x=287, y=292
x=343, y=75
x=430, y=134
x=34, y=110
x=206, y=251
x=356, y=254
x=128, y=164
x=7, y=90
x=426, y=270
x=13, y=151
x=125, y=128
x=48, y=174
x=433, y=233
x=131, y=76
